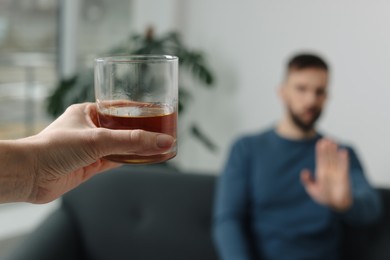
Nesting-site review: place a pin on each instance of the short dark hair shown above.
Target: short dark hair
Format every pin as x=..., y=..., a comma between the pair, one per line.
x=306, y=61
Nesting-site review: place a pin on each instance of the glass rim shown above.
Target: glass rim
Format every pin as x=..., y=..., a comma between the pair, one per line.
x=139, y=58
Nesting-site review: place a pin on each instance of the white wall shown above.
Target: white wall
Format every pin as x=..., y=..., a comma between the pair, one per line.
x=248, y=43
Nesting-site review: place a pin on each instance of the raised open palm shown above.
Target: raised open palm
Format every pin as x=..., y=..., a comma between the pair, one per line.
x=330, y=186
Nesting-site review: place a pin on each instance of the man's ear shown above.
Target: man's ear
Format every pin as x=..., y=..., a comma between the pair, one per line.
x=282, y=92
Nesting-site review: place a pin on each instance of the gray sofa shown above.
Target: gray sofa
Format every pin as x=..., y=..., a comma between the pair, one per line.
x=152, y=213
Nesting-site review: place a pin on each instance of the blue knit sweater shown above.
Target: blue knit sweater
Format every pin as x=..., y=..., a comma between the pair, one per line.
x=262, y=210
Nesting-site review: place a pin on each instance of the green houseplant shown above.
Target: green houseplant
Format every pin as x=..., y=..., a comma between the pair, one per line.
x=192, y=64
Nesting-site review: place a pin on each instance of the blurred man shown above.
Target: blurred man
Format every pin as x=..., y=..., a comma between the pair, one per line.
x=285, y=192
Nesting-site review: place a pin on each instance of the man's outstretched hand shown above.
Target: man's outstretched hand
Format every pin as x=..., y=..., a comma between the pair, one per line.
x=330, y=186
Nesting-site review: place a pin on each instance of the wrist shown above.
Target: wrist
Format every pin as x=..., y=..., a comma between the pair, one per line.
x=16, y=178
x=344, y=205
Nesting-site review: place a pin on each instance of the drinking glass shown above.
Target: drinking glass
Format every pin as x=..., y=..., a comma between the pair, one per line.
x=138, y=92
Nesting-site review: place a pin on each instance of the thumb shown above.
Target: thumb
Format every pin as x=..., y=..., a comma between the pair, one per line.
x=132, y=142
x=307, y=180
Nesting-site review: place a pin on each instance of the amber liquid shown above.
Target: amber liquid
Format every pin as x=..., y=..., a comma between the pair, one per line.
x=154, y=118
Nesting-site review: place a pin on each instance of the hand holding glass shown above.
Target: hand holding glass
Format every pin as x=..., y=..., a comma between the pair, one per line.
x=138, y=92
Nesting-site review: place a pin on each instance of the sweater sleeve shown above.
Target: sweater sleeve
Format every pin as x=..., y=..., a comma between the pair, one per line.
x=231, y=206
x=366, y=206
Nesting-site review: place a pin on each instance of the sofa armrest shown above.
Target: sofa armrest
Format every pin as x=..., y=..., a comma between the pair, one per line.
x=56, y=238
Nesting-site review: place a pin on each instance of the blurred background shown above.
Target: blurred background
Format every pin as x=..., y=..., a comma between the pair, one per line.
x=245, y=47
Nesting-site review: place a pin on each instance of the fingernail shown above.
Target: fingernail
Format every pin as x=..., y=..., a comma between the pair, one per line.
x=164, y=141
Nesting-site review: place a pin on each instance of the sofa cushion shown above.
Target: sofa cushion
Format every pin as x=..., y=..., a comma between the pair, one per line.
x=139, y=213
